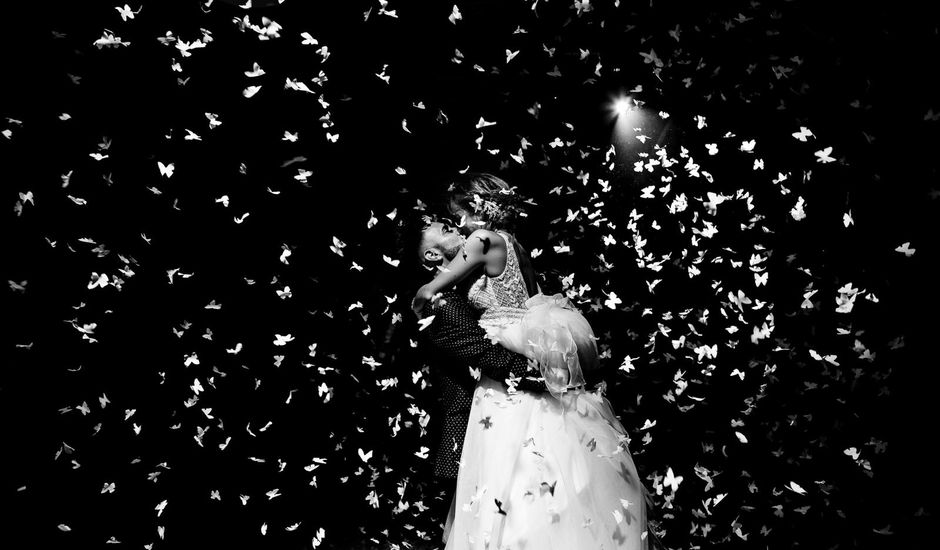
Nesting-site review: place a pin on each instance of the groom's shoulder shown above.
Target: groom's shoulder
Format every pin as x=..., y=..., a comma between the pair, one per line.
x=449, y=301
x=448, y=297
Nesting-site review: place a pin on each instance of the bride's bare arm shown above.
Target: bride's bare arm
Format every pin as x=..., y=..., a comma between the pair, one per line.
x=483, y=247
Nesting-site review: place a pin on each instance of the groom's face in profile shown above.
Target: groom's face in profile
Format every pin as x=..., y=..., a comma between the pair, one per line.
x=440, y=243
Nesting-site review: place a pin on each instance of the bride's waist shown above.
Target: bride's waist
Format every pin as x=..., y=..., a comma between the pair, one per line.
x=487, y=382
x=503, y=312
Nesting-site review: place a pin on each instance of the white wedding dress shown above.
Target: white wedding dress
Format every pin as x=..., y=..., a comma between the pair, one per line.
x=549, y=471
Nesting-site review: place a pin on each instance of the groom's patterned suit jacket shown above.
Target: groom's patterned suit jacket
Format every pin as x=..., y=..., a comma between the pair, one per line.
x=459, y=344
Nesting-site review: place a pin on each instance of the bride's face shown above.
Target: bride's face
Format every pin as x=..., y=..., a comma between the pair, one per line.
x=468, y=221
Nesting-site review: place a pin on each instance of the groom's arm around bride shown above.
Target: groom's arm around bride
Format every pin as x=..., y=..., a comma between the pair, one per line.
x=457, y=337
x=459, y=347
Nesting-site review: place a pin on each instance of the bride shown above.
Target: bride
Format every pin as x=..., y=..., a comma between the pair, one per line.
x=538, y=471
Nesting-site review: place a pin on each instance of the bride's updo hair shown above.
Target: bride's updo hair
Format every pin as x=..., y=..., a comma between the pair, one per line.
x=494, y=201
x=499, y=207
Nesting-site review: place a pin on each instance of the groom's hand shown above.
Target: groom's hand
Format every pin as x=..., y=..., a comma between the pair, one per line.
x=536, y=371
x=534, y=366
x=562, y=377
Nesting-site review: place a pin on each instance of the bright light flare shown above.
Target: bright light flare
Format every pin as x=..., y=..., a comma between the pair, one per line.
x=625, y=112
x=629, y=120
x=622, y=106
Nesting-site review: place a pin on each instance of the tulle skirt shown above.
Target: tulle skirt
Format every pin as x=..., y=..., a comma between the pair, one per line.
x=540, y=473
x=550, y=330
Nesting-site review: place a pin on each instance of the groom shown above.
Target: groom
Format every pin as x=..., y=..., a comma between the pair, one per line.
x=459, y=345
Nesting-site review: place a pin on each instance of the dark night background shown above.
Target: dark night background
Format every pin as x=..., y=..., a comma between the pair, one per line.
x=861, y=78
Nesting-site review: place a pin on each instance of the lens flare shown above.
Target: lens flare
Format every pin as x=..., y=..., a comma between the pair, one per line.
x=627, y=117
x=622, y=106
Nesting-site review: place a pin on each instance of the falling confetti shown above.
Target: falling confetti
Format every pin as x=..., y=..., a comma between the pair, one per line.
x=264, y=360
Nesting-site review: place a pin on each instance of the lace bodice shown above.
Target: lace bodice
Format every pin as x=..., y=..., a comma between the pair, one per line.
x=506, y=290
x=546, y=329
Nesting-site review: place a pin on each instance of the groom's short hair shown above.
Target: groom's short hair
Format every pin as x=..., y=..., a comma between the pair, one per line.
x=411, y=235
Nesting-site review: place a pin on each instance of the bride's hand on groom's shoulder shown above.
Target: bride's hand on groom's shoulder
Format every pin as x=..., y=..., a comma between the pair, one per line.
x=420, y=300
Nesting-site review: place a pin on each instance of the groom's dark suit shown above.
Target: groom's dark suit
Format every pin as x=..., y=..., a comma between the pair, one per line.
x=458, y=345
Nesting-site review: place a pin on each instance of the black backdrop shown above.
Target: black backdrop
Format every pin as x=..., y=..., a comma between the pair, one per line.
x=860, y=79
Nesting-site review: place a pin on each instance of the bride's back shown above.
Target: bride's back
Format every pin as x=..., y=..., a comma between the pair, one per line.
x=506, y=290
